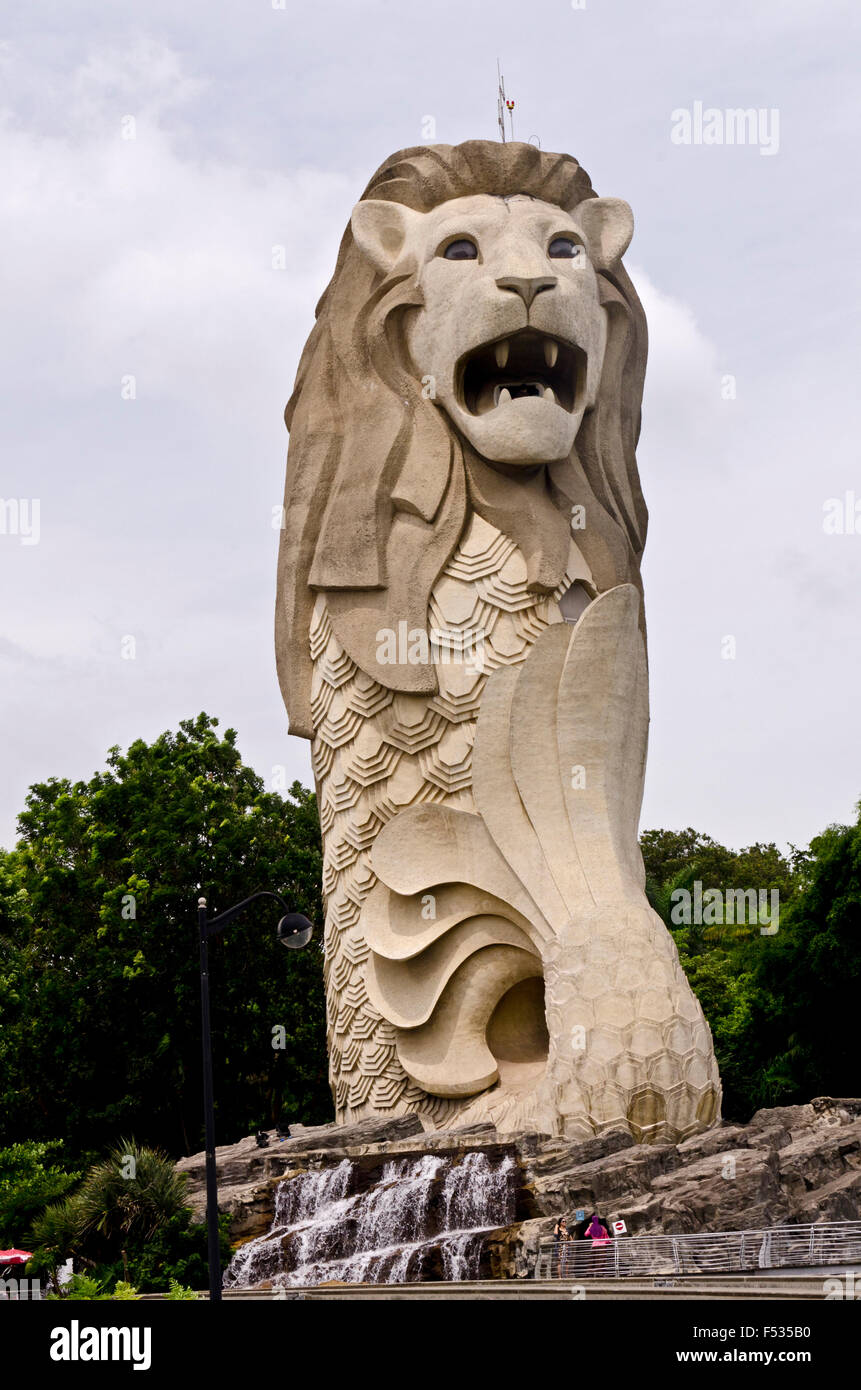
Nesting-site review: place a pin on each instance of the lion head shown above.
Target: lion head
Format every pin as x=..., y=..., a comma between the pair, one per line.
x=480, y=347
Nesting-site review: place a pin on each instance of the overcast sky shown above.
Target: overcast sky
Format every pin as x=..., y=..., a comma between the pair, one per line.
x=257, y=125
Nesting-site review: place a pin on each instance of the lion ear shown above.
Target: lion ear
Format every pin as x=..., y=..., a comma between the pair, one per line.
x=609, y=226
x=380, y=230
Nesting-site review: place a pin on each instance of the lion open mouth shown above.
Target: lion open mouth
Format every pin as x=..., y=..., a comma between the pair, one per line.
x=527, y=363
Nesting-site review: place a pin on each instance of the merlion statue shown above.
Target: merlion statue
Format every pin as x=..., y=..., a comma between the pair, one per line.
x=460, y=634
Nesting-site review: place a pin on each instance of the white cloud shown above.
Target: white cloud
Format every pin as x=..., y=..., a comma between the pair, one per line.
x=682, y=399
x=141, y=259
x=131, y=257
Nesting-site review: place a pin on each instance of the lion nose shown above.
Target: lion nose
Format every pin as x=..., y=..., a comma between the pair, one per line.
x=527, y=288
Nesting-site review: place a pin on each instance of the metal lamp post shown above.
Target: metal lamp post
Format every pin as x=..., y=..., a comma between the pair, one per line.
x=294, y=931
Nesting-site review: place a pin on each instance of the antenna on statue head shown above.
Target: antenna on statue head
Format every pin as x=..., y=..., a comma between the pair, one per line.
x=502, y=105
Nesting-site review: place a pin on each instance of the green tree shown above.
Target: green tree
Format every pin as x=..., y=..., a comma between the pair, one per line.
x=28, y=1182
x=127, y=1221
x=801, y=1037
x=722, y=981
x=56, y=1235
x=667, y=852
x=14, y=927
x=720, y=958
x=177, y=1251
x=676, y=858
x=99, y=967
x=130, y=1194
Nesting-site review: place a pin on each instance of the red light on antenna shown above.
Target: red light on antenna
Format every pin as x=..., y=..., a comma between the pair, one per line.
x=510, y=105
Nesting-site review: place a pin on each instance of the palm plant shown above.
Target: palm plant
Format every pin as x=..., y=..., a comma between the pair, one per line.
x=660, y=894
x=56, y=1234
x=130, y=1194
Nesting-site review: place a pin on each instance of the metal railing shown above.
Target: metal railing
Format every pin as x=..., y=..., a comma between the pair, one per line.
x=786, y=1247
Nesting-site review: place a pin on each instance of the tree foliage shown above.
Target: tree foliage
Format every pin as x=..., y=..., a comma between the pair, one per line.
x=29, y=1180
x=127, y=1220
x=99, y=971
x=130, y=1194
x=779, y=1006
x=806, y=981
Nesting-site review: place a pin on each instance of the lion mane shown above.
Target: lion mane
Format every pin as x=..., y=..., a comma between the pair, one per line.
x=379, y=481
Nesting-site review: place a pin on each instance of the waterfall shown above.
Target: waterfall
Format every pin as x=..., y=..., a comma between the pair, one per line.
x=424, y=1218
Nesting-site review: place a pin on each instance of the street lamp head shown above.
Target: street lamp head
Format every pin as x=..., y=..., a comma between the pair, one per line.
x=294, y=931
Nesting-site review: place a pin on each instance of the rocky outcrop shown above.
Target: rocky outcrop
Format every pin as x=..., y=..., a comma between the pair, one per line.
x=789, y=1165
x=797, y=1163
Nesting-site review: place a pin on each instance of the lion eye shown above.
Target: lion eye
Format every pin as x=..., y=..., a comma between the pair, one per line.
x=461, y=250
x=563, y=247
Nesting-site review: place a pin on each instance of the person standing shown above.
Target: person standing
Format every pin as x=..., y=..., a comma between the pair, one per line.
x=561, y=1237
x=597, y=1232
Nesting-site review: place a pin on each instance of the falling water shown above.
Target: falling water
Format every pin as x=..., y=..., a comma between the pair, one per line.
x=425, y=1218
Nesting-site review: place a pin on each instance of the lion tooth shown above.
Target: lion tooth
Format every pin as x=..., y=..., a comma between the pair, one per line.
x=504, y=396
x=551, y=352
x=501, y=351
x=550, y=395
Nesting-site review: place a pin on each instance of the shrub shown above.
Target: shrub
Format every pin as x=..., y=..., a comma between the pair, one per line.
x=28, y=1183
x=179, y=1293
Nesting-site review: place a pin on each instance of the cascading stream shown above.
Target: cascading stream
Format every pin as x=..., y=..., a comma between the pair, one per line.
x=425, y=1218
